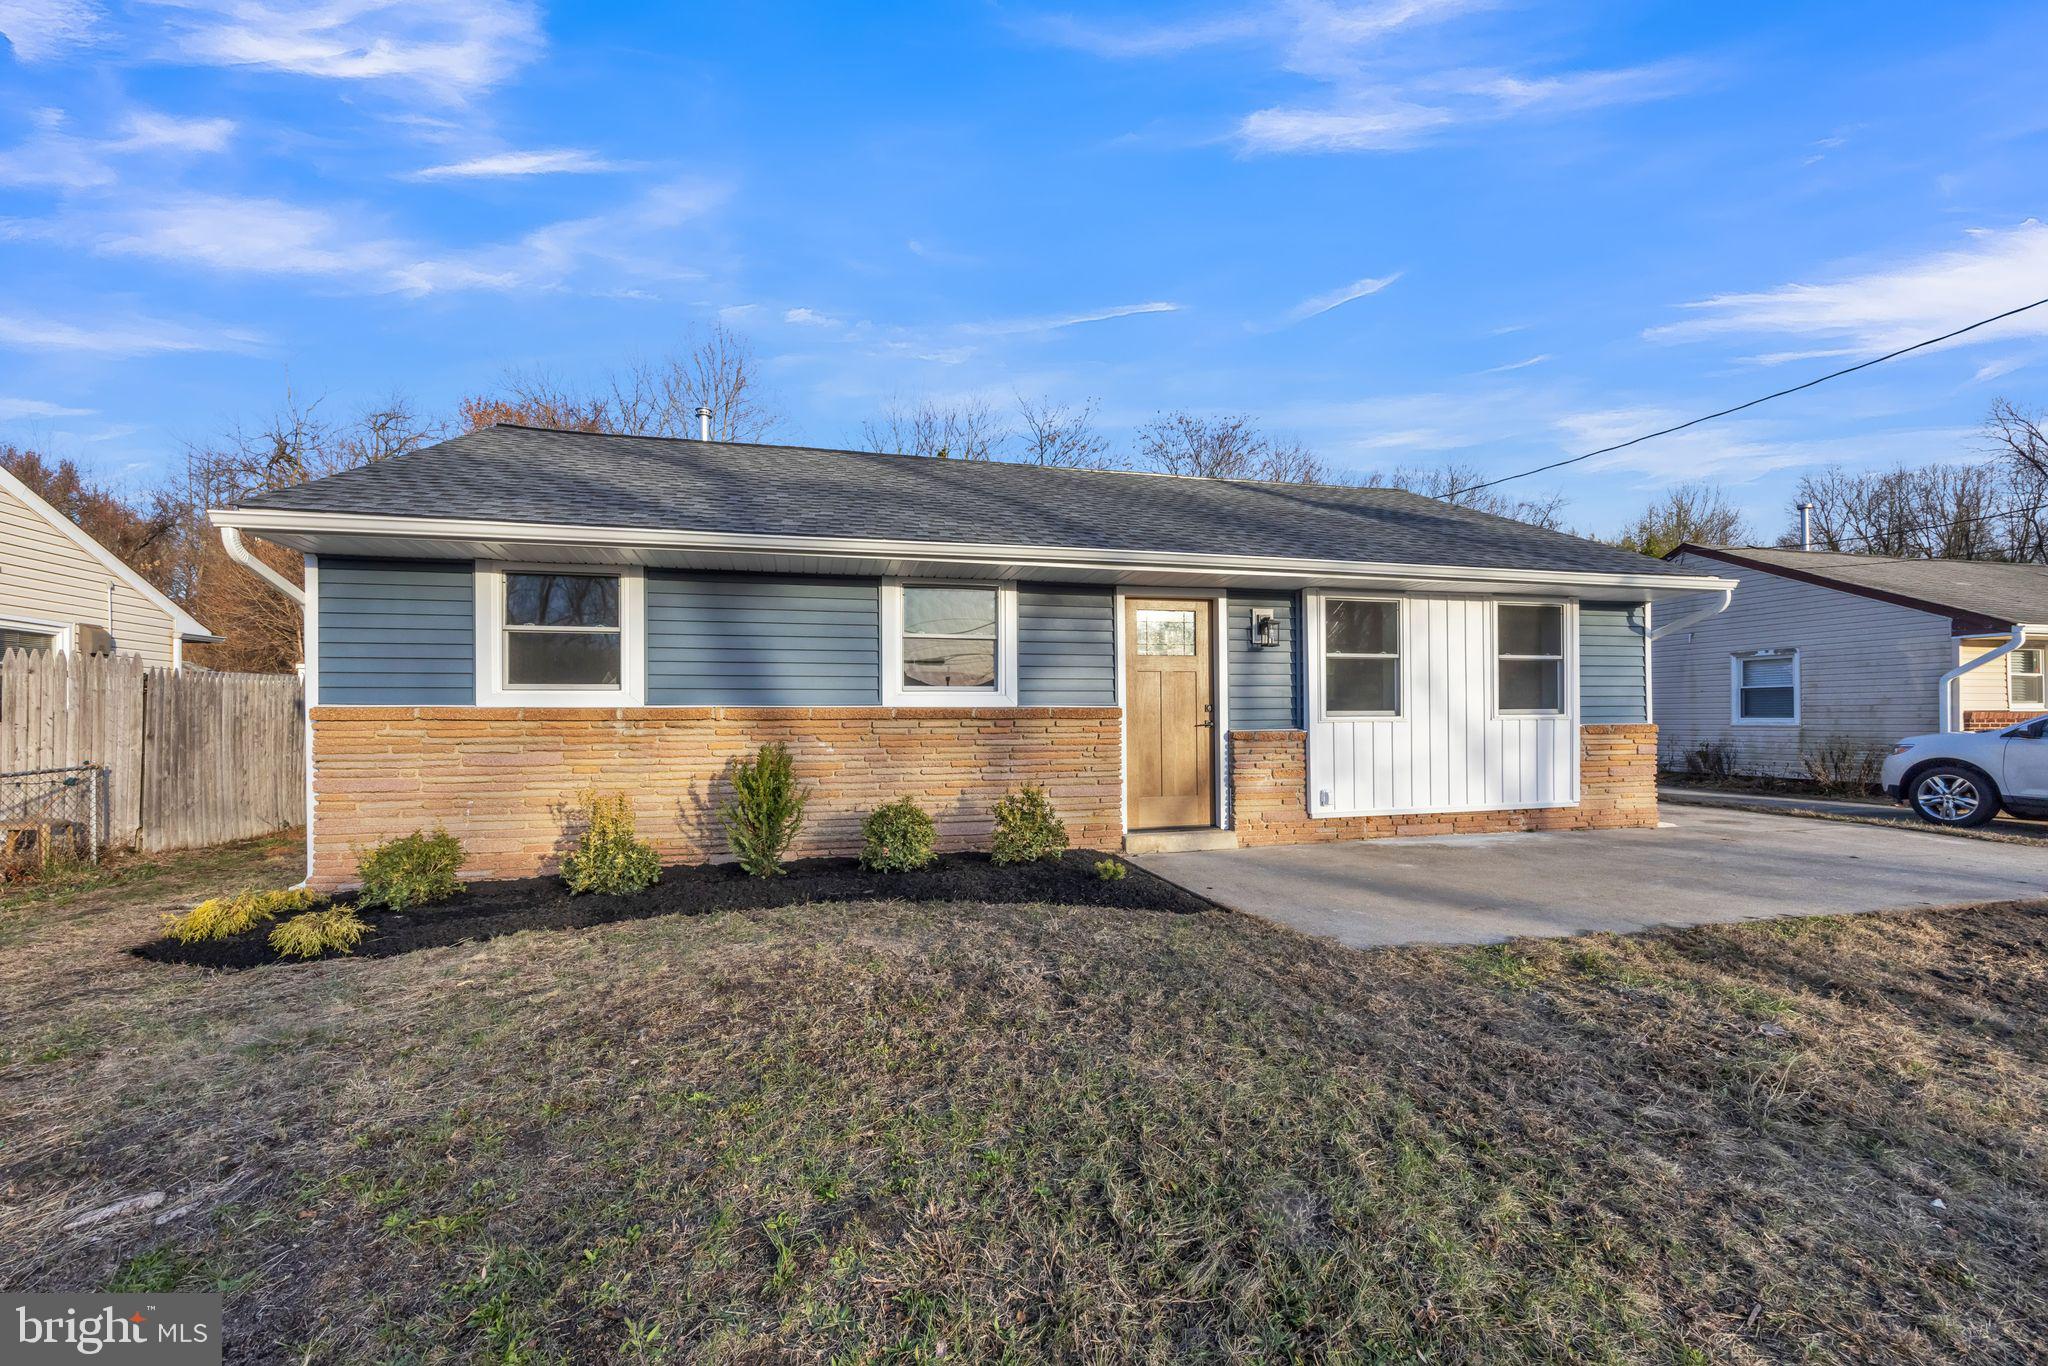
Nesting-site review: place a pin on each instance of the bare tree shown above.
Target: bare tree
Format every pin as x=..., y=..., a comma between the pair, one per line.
x=1698, y=512
x=2017, y=440
x=1226, y=447
x=1057, y=434
x=1925, y=512
x=1455, y=483
x=716, y=370
x=970, y=430
x=295, y=445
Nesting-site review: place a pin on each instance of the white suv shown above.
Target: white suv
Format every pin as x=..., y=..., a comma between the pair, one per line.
x=1964, y=778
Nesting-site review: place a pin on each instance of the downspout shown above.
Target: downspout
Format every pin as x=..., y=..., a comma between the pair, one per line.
x=231, y=538
x=1694, y=618
x=1948, y=680
x=231, y=541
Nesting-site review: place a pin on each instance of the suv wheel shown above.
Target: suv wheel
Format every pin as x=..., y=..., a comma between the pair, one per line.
x=1948, y=794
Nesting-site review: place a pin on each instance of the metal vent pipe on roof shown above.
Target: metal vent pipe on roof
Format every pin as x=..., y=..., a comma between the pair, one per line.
x=1806, y=526
x=703, y=423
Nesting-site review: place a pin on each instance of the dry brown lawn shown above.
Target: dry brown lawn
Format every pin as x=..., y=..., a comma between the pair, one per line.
x=1026, y=1132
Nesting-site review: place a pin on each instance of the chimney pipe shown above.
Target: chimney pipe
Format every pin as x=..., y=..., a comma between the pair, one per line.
x=703, y=423
x=1806, y=526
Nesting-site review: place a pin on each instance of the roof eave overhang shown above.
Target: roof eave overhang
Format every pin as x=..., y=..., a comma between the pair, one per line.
x=328, y=532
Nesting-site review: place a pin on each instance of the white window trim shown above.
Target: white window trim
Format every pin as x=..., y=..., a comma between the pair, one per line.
x=896, y=694
x=1735, y=716
x=2014, y=704
x=60, y=630
x=1567, y=675
x=491, y=690
x=1319, y=658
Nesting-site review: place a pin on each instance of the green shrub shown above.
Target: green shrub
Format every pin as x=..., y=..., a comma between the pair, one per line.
x=413, y=870
x=338, y=929
x=1109, y=870
x=766, y=810
x=897, y=838
x=1027, y=828
x=609, y=858
x=223, y=916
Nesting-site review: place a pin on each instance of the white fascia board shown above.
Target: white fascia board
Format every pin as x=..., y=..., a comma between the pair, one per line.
x=1309, y=571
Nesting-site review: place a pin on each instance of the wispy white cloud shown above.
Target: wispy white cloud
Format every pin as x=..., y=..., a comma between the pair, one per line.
x=1380, y=118
x=133, y=336
x=2000, y=368
x=1895, y=305
x=12, y=409
x=1021, y=326
x=501, y=165
x=256, y=236
x=439, y=49
x=809, y=317
x=54, y=157
x=1149, y=40
x=1516, y=365
x=1337, y=298
x=41, y=29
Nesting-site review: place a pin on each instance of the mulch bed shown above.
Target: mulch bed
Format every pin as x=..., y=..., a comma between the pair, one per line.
x=489, y=909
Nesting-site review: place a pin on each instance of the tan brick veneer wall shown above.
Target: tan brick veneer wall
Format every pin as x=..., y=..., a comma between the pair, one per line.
x=1269, y=793
x=505, y=780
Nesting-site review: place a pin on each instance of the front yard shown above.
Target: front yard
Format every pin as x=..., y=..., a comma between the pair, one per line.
x=966, y=1131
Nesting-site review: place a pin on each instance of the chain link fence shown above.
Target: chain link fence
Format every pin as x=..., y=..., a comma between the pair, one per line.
x=44, y=810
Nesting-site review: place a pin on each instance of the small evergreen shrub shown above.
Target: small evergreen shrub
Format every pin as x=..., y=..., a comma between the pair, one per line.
x=610, y=859
x=897, y=838
x=338, y=929
x=1109, y=870
x=413, y=870
x=766, y=810
x=225, y=916
x=1027, y=828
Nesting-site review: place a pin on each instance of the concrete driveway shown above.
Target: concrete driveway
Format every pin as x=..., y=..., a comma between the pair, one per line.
x=1702, y=867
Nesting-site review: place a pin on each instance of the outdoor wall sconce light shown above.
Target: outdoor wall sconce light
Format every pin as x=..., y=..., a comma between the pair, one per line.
x=1265, y=629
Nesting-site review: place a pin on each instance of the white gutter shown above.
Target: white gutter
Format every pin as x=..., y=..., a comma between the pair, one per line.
x=1694, y=618
x=277, y=522
x=231, y=538
x=1948, y=680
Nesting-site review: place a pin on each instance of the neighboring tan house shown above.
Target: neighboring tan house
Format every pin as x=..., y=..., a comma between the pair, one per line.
x=501, y=621
x=62, y=590
x=1825, y=651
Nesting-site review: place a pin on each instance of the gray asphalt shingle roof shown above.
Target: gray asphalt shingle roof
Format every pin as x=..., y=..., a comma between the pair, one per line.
x=525, y=474
x=2013, y=593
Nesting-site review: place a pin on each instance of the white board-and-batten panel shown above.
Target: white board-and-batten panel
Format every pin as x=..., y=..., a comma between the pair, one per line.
x=1450, y=748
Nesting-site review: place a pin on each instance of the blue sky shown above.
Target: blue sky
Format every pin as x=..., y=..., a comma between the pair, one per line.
x=1401, y=232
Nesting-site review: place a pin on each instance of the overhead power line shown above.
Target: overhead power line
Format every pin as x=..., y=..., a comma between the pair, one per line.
x=1725, y=412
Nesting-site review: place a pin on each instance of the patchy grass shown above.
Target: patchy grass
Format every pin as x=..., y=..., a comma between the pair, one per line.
x=876, y=1129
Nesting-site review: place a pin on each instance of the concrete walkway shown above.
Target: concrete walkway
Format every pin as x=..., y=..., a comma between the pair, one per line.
x=1889, y=812
x=1702, y=867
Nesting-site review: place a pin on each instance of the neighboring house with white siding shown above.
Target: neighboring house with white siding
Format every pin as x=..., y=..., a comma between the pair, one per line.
x=498, y=621
x=1823, y=651
x=62, y=590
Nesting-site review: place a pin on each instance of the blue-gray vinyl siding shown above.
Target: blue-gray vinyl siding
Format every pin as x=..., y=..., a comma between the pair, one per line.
x=736, y=640
x=1066, y=647
x=397, y=633
x=1265, y=684
x=1613, y=679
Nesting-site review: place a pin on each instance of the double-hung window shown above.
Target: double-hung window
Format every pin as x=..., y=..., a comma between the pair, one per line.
x=1530, y=654
x=949, y=644
x=1361, y=657
x=2023, y=677
x=563, y=631
x=1767, y=688
x=16, y=638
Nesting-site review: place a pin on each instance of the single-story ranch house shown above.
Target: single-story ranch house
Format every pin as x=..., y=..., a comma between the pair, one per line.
x=498, y=622
x=1825, y=653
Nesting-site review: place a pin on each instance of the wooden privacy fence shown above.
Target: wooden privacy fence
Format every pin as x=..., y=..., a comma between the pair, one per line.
x=191, y=757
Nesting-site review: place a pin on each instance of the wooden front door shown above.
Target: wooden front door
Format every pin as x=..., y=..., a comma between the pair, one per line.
x=1170, y=713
